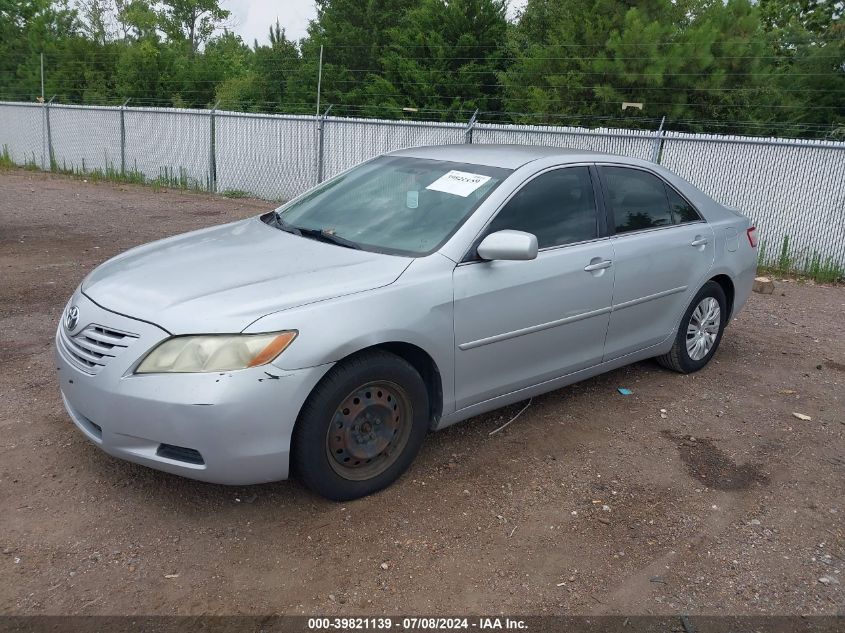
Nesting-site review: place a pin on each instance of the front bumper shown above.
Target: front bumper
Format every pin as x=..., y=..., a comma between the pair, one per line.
x=239, y=422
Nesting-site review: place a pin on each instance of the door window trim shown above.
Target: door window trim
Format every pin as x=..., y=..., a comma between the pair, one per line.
x=609, y=216
x=602, y=228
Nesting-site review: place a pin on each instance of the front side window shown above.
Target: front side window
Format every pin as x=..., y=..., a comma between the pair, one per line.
x=558, y=207
x=394, y=204
x=637, y=198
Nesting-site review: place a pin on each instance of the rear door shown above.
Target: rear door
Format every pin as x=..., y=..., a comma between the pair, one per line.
x=663, y=251
x=520, y=323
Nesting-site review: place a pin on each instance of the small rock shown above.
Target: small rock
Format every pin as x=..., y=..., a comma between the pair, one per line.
x=604, y=520
x=763, y=285
x=332, y=597
x=801, y=416
x=755, y=521
x=385, y=566
x=171, y=575
x=829, y=580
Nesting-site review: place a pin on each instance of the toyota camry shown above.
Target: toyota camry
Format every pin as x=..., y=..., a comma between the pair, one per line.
x=418, y=289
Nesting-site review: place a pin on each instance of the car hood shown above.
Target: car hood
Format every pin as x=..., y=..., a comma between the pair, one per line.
x=223, y=278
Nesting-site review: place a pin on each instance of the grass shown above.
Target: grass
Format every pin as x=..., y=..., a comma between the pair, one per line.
x=6, y=161
x=170, y=177
x=235, y=193
x=812, y=266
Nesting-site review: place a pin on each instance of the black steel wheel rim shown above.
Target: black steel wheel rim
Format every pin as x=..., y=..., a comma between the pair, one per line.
x=369, y=430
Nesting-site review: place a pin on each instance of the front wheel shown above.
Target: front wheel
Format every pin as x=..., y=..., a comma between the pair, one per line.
x=700, y=331
x=361, y=427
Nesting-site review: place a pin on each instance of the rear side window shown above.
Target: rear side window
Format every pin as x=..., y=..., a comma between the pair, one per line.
x=638, y=199
x=682, y=210
x=558, y=207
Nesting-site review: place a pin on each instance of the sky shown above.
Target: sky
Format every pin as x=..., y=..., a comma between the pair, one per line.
x=251, y=19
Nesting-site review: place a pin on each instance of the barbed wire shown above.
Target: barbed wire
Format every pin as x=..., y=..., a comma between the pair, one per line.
x=511, y=117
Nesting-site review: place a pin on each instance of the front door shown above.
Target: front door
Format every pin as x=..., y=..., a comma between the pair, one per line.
x=520, y=323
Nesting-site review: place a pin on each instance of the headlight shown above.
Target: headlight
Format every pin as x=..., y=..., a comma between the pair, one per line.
x=215, y=352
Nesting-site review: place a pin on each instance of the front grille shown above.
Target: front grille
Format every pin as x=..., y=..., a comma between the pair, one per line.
x=180, y=453
x=93, y=347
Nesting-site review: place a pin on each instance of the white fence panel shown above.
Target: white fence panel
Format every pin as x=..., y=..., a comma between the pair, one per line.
x=348, y=142
x=634, y=143
x=793, y=189
x=22, y=132
x=789, y=188
x=85, y=138
x=268, y=156
x=173, y=145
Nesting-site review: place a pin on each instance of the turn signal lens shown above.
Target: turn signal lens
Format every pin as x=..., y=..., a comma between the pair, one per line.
x=273, y=349
x=215, y=352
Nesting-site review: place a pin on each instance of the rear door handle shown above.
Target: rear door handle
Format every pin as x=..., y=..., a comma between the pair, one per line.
x=606, y=263
x=701, y=241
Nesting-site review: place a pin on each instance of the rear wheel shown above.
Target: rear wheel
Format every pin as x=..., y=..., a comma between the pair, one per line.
x=361, y=427
x=700, y=331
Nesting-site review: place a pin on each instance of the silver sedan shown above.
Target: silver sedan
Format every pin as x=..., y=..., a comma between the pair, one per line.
x=411, y=292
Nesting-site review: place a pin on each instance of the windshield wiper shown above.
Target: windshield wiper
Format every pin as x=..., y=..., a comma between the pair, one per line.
x=325, y=236
x=314, y=234
x=285, y=226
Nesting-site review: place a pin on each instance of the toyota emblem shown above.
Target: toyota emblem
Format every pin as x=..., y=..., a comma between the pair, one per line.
x=72, y=318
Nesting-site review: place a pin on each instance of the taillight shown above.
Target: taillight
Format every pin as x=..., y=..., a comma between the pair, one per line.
x=752, y=236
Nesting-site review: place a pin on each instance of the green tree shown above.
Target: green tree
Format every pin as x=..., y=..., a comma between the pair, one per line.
x=444, y=59
x=191, y=21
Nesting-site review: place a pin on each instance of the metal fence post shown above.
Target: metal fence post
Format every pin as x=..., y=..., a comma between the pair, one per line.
x=470, y=125
x=321, y=122
x=658, y=142
x=212, y=150
x=49, y=135
x=123, y=139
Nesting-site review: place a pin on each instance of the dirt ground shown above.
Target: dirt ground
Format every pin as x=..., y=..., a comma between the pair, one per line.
x=591, y=502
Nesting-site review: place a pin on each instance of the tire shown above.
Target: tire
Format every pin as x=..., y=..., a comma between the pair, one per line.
x=361, y=427
x=679, y=357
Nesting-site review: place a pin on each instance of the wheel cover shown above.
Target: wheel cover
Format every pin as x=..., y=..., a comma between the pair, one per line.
x=703, y=328
x=369, y=430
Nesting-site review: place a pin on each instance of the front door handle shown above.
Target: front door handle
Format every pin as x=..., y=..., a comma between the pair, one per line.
x=605, y=263
x=699, y=241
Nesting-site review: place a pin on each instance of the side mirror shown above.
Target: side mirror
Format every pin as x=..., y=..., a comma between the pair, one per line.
x=508, y=245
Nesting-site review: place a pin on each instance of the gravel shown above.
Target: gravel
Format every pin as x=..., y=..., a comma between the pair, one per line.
x=744, y=519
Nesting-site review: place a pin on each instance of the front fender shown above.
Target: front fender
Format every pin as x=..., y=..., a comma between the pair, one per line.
x=416, y=309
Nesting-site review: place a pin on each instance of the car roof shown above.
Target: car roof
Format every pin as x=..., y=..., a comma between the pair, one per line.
x=506, y=156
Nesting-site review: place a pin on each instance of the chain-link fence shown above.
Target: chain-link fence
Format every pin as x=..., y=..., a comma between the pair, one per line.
x=793, y=190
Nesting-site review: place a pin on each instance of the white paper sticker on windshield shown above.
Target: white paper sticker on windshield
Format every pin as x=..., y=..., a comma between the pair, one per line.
x=458, y=183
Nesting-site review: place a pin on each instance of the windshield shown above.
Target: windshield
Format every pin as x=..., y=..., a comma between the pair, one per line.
x=393, y=204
